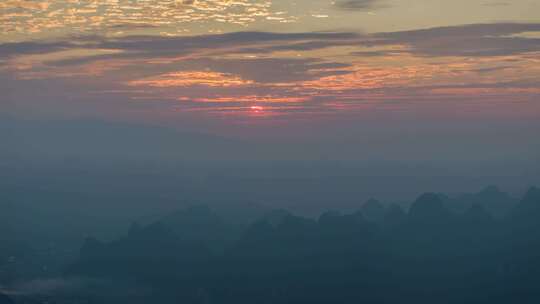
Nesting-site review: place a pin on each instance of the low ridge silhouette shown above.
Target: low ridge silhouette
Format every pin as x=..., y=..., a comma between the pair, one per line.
x=379, y=254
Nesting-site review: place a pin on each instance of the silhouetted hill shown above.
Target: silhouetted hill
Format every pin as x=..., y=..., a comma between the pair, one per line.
x=495, y=201
x=293, y=236
x=144, y=251
x=429, y=209
x=493, y=194
x=373, y=210
x=478, y=231
x=428, y=255
x=529, y=206
x=200, y=223
x=343, y=225
x=477, y=214
x=239, y=212
x=276, y=217
x=5, y=299
x=394, y=216
x=524, y=221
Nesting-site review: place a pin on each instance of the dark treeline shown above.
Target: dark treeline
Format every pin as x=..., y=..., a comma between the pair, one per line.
x=437, y=250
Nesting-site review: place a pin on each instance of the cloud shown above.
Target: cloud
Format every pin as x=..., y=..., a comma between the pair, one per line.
x=193, y=78
x=270, y=70
x=359, y=5
x=37, y=16
x=183, y=45
x=22, y=48
x=159, y=45
x=497, y=4
x=496, y=39
x=292, y=68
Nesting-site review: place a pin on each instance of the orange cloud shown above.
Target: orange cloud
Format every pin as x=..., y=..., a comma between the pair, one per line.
x=193, y=78
x=46, y=17
x=252, y=98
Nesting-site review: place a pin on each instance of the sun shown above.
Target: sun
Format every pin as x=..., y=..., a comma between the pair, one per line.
x=257, y=108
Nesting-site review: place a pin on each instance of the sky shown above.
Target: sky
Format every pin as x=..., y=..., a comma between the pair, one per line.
x=382, y=79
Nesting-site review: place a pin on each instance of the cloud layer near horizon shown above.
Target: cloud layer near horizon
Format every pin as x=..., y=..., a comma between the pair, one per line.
x=289, y=73
x=269, y=61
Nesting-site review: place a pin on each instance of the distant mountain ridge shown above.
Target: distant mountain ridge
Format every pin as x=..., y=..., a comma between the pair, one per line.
x=396, y=254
